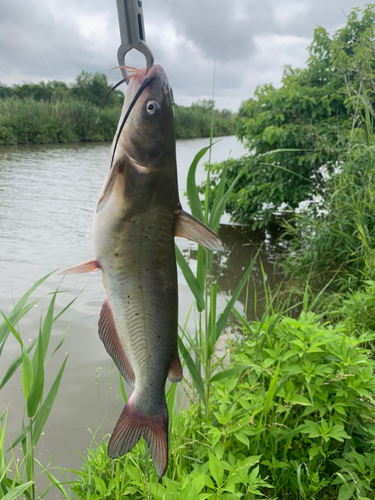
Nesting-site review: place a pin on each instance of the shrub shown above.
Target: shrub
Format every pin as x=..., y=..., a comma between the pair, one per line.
x=297, y=406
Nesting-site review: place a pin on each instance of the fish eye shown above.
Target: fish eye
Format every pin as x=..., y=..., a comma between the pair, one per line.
x=152, y=107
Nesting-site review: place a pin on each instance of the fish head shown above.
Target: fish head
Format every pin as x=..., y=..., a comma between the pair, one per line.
x=144, y=146
x=148, y=134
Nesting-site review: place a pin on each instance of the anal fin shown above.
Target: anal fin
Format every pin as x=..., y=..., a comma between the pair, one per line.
x=84, y=267
x=187, y=226
x=175, y=370
x=109, y=336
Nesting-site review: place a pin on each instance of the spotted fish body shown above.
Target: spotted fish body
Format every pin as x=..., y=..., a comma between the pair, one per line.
x=136, y=219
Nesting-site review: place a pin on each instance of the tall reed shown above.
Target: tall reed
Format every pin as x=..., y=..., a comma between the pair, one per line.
x=210, y=324
x=38, y=405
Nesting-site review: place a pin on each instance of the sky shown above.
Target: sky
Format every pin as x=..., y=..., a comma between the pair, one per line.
x=248, y=42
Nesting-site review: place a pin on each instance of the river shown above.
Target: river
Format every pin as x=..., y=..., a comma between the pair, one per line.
x=47, y=197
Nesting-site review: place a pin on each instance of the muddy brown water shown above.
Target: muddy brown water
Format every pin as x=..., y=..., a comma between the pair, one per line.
x=47, y=197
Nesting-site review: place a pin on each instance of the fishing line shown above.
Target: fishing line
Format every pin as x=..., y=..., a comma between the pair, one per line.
x=117, y=85
x=108, y=93
x=145, y=84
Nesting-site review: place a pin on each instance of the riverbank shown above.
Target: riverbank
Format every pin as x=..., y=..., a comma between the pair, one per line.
x=31, y=121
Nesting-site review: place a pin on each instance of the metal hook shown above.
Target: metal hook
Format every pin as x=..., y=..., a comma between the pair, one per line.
x=132, y=32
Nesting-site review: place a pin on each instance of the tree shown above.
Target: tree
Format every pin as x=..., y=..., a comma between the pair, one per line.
x=93, y=87
x=295, y=130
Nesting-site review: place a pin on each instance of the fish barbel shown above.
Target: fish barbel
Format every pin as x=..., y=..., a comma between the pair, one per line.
x=137, y=216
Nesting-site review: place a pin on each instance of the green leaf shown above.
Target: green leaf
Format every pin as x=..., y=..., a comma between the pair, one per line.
x=2, y=433
x=17, y=491
x=36, y=391
x=218, y=197
x=122, y=388
x=300, y=400
x=346, y=491
x=219, y=209
x=243, y=438
x=19, y=310
x=65, y=308
x=216, y=470
x=47, y=326
x=228, y=373
x=19, y=438
x=46, y=407
x=338, y=432
x=191, y=186
x=61, y=341
x=15, y=364
x=271, y=390
x=53, y=480
x=27, y=373
x=194, y=372
x=190, y=279
x=12, y=329
x=253, y=476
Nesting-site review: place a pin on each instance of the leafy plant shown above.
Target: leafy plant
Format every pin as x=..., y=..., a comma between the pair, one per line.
x=38, y=405
x=310, y=115
x=210, y=326
x=291, y=415
x=332, y=251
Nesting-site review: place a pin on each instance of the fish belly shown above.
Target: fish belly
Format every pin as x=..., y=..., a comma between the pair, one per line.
x=140, y=278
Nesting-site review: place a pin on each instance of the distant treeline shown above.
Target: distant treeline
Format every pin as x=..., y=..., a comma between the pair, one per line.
x=52, y=112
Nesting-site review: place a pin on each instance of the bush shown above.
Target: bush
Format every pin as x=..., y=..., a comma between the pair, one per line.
x=333, y=243
x=305, y=124
x=297, y=408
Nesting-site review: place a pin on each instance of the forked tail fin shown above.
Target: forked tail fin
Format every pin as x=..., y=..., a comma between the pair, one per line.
x=132, y=425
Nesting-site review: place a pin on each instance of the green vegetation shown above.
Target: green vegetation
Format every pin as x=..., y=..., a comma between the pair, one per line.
x=281, y=405
x=54, y=112
x=195, y=121
x=293, y=416
x=18, y=476
x=306, y=124
x=333, y=241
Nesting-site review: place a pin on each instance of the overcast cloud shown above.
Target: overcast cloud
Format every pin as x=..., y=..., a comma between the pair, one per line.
x=251, y=41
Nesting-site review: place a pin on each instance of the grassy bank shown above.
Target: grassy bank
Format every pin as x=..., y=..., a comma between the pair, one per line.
x=29, y=121
x=55, y=112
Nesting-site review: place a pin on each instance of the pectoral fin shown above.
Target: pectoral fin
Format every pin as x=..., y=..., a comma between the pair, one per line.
x=187, y=226
x=85, y=267
x=108, y=185
x=109, y=336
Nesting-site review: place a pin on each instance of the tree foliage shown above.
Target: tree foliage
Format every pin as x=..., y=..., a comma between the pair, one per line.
x=312, y=116
x=195, y=120
x=54, y=111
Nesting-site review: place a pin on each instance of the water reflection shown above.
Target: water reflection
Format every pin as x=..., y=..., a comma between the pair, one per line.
x=240, y=246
